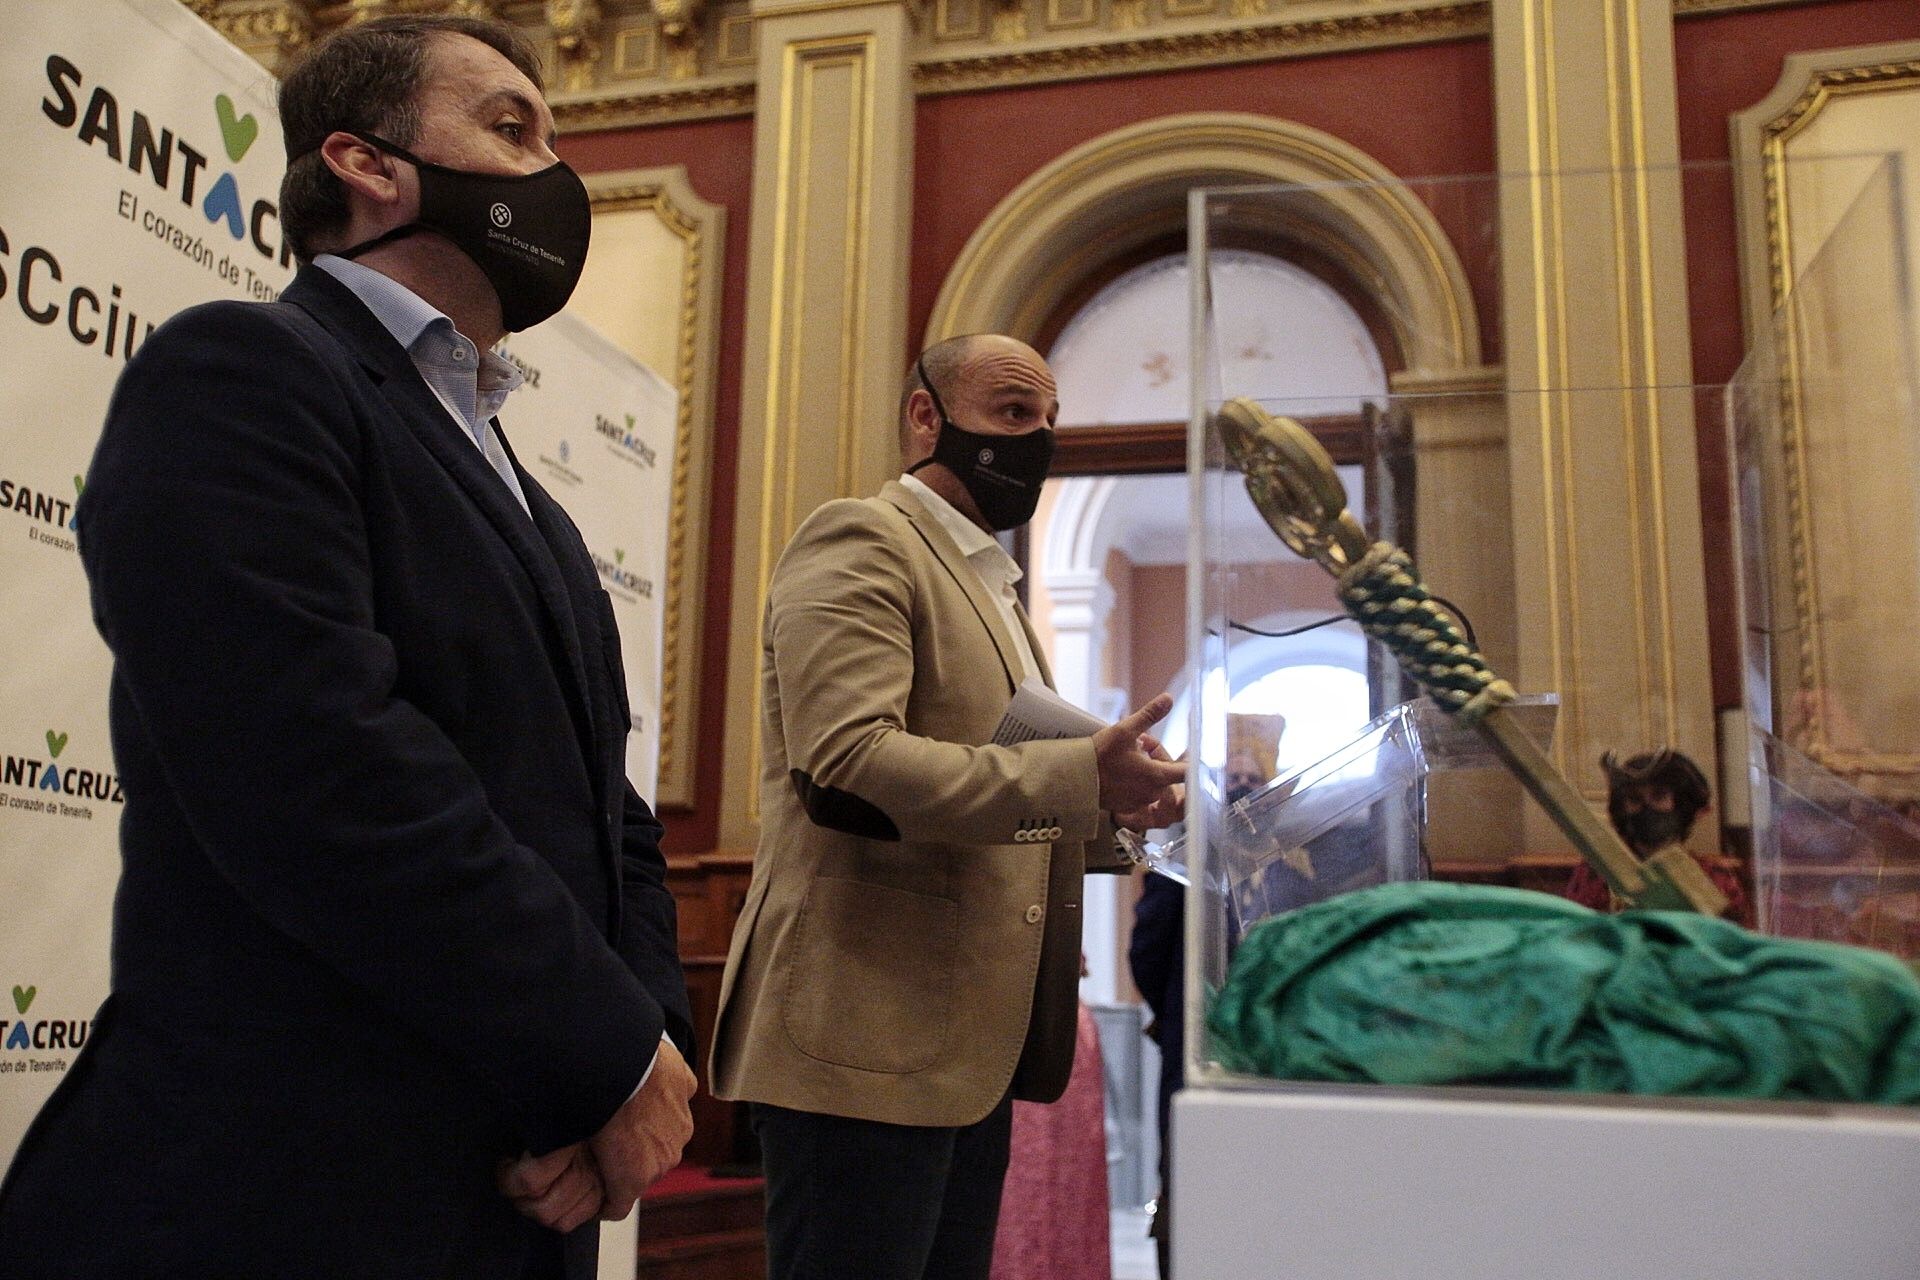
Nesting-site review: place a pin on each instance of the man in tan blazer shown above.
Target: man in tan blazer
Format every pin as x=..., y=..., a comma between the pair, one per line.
x=906, y=961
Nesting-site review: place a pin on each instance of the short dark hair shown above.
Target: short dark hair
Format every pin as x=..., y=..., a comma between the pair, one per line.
x=365, y=78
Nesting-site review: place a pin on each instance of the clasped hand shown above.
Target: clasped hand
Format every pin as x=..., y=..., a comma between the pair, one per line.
x=604, y=1176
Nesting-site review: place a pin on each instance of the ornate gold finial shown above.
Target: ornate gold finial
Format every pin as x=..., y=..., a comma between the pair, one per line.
x=472, y=8
x=681, y=23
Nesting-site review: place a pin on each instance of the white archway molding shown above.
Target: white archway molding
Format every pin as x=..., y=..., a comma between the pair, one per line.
x=1129, y=186
x=1073, y=563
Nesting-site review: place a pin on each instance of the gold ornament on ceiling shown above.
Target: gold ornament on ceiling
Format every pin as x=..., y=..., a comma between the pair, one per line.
x=681, y=28
x=575, y=25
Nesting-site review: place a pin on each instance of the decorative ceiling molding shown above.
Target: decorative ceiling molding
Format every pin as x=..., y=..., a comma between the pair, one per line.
x=1227, y=42
x=1694, y=8
x=625, y=63
x=589, y=114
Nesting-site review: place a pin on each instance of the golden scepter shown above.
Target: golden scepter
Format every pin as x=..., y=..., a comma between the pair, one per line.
x=1292, y=481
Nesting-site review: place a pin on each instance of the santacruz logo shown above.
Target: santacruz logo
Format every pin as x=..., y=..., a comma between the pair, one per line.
x=631, y=446
x=49, y=786
x=38, y=506
x=22, y=1033
x=622, y=581
x=174, y=167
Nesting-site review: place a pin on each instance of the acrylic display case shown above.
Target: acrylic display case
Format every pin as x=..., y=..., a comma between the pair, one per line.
x=1825, y=422
x=1471, y=468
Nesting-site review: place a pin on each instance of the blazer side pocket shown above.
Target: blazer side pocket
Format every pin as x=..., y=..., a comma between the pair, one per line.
x=871, y=983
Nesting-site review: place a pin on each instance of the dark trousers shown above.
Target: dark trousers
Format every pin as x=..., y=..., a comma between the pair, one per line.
x=857, y=1198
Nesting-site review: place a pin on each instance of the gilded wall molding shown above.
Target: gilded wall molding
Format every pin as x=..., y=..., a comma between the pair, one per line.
x=1605, y=498
x=1220, y=44
x=700, y=55
x=270, y=31
x=700, y=226
x=826, y=313
x=1132, y=183
x=1810, y=84
x=626, y=110
x=1693, y=8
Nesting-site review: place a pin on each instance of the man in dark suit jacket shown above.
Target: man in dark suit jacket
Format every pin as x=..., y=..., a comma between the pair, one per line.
x=395, y=983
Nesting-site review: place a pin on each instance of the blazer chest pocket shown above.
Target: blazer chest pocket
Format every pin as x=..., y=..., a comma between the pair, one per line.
x=870, y=985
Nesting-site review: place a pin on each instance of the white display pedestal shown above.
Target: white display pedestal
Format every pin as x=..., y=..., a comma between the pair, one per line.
x=1366, y=1184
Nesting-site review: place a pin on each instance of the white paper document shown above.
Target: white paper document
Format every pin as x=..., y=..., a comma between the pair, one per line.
x=1037, y=712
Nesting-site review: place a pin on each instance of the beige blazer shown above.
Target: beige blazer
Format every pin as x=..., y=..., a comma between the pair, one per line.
x=910, y=943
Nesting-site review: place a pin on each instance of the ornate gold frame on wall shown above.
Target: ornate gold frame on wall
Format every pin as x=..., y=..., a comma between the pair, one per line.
x=1809, y=83
x=701, y=228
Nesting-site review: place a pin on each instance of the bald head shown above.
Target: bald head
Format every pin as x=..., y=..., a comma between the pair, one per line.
x=985, y=381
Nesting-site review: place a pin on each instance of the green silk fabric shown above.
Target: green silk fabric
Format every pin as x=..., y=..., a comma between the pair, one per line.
x=1429, y=983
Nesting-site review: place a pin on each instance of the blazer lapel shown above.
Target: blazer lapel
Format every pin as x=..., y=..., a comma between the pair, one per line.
x=347, y=318
x=555, y=537
x=963, y=573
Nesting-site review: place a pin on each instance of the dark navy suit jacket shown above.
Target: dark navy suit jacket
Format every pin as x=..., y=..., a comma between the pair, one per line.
x=389, y=910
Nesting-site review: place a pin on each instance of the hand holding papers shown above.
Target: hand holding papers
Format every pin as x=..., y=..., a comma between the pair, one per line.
x=1037, y=712
x=1139, y=784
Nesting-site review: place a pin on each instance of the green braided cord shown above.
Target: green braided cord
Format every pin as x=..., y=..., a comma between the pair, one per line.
x=1384, y=595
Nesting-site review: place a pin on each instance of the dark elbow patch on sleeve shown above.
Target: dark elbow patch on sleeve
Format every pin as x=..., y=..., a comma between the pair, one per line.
x=839, y=810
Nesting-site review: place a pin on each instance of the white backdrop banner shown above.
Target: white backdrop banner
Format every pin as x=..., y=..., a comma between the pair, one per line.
x=140, y=178
x=595, y=427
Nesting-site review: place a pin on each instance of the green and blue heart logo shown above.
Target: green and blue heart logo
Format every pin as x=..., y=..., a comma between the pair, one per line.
x=619, y=556
x=223, y=201
x=23, y=998
x=238, y=132
x=629, y=422
x=56, y=743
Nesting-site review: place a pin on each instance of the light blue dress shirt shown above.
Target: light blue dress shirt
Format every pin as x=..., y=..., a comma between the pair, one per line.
x=471, y=383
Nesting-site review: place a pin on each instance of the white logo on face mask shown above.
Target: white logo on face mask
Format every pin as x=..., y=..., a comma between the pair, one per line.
x=502, y=216
x=986, y=457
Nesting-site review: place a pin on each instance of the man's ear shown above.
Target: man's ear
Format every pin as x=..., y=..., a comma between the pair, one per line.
x=924, y=419
x=362, y=167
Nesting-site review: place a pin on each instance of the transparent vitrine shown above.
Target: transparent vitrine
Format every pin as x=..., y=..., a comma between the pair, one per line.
x=1573, y=496
x=1557, y=516
x=1825, y=420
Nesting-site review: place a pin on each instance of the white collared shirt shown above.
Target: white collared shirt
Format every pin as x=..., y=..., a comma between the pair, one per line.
x=472, y=384
x=996, y=569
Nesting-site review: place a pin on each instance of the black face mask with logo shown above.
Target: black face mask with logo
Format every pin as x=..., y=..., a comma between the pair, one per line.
x=1002, y=474
x=526, y=232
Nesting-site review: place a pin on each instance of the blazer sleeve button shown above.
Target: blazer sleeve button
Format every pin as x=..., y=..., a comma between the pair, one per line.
x=1033, y=914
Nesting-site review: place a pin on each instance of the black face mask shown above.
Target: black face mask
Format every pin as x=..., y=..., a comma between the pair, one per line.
x=1002, y=474
x=526, y=232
